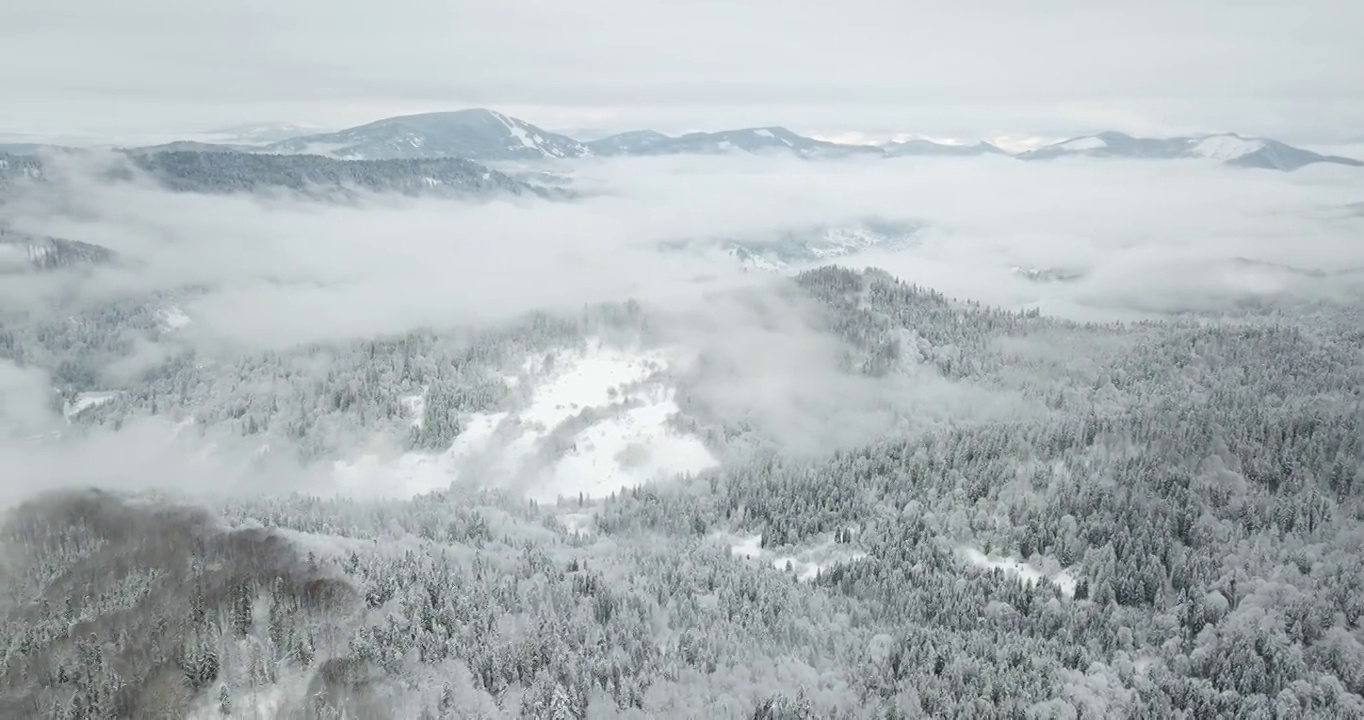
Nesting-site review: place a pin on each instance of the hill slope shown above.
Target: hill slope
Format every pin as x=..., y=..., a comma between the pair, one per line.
x=475, y=134
x=1228, y=148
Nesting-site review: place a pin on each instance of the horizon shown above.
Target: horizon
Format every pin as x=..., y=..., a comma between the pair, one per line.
x=232, y=132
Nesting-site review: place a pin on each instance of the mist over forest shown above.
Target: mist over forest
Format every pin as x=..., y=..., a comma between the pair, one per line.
x=741, y=434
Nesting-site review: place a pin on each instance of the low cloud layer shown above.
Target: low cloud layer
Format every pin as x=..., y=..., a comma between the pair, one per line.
x=1085, y=239
x=1138, y=236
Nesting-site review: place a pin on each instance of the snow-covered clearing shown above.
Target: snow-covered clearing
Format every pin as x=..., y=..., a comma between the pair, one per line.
x=415, y=406
x=806, y=562
x=1025, y=572
x=173, y=318
x=86, y=400
x=592, y=422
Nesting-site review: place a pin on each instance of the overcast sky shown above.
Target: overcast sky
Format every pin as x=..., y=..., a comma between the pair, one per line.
x=948, y=69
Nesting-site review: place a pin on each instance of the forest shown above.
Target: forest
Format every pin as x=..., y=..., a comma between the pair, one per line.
x=1166, y=522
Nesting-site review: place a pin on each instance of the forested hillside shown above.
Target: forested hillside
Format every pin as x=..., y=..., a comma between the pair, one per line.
x=314, y=176
x=1170, y=525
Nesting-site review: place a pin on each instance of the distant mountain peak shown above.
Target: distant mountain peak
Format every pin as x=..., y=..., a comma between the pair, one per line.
x=474, y=133
x=1226, y=147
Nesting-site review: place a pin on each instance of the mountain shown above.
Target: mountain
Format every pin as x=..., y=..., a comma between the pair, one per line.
x=262, y=133
x=192, y=146
x=637, y=142
x=26, y=148
x=747, y=140
x=771, y=139
x=918, y=148
x=217, y=172
x=226, y=171
x=1228, y=148
x=471, y=134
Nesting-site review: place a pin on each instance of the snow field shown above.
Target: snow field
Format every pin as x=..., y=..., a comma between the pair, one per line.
x=548, y=448
x=1025, y=572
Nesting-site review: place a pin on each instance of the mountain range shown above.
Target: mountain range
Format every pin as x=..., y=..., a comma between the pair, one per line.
x=322, y=178
x=486, y=135
x=1228, y=148
x=469, y=134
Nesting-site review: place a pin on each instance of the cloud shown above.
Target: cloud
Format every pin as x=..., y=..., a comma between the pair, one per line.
x=26, y=404
x=1133, y=239
x=1253, y=66
x=283, y=270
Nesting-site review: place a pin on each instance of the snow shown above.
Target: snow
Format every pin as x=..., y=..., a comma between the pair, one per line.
x=517, y=131
x=547, y=448
x=1226, y=147
x=766, y=134
x=1025, y=572
x=173, y=318
x=841, y=241
x=415, y=405
x=86, y=400
x=520, y=134
x=581, y=524
x=324, y=149
x=1085, y=143
x=806, y=562
x=757, y=262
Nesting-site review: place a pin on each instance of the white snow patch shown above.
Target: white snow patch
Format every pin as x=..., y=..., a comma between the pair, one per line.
x=415, y=405
x=580, y=524
x=1226, y=147
x=765, y=133
x=86, y=400
x=628, y=443
x=806, y=562
x=324, y=149
x=523, y=136
x=519, y=132
x=1026, y=573
x=173, y=318
x=1084, y=143
x=749, y=259
x=749, y=547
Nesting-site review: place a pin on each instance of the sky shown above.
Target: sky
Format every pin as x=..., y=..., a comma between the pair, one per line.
x=156, y=68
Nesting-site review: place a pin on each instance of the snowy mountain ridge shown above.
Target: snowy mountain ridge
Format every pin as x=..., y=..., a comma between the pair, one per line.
x=476, y=134
x=1227, y=148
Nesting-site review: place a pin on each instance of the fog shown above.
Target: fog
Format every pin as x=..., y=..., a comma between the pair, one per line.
x=285, y=270
x=1133, y=239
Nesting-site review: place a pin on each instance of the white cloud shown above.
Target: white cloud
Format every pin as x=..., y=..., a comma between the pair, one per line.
x=1143, y=238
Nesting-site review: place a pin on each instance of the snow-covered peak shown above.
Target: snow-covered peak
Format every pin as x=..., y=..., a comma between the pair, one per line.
x=1083, y=144
x=1225, y=147
x=477, y=134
